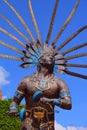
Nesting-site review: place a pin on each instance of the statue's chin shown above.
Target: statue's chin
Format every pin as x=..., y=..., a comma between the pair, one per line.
x=48, y=64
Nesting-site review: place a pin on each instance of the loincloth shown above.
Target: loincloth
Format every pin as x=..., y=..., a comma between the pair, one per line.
x=39, y=117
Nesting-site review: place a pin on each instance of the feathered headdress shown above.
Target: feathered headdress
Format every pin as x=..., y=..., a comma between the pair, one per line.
x=34, y=49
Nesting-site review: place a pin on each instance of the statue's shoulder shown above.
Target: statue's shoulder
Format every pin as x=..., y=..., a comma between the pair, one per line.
x=27, y=79
x=59, y=81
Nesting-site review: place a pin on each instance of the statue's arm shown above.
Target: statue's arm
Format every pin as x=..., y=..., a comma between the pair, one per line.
x=64, y=100
x=19, y=94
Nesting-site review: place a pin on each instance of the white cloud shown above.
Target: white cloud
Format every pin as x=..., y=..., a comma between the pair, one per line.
x=71, y=128
x=3, y=77
x=4, y=97
x=76, y=128
x=82, y=128
x=60, y=127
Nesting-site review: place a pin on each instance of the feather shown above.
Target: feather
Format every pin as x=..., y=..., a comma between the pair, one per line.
x=71, y=37
x=76, y=65
x=11, y=47
x=13, y=37
x=52, y=22
x=60, y=62
x=75, y=74
x=24, y=65
x=15, y=28
x=58, y=56
x=10, y=57
x=21, y=19
x=66, y=23
x=34, y=22
x=74, y=48
x=76, y=56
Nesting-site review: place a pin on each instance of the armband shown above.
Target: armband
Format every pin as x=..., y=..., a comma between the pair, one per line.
x=65, y=94
x=56, y=102
x=37, y=95
x=19, y=94
x=22, y=114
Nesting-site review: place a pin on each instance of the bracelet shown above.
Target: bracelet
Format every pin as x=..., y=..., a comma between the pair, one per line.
x=56, y=102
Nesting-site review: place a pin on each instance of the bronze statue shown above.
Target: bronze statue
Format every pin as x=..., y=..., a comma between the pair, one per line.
x=42, y=90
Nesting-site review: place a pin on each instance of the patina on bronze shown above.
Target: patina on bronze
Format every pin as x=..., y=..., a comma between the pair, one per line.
x=42, y=90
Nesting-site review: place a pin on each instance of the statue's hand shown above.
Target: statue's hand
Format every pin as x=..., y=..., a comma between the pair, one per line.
x=12, y=114
x=37, y=95
x=13, y=110
x=46, y=100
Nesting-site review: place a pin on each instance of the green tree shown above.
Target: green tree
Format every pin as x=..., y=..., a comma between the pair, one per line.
x=6, y=122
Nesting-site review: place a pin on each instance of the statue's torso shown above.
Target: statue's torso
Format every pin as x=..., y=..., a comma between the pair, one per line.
x=48, y=87
x=41, y=113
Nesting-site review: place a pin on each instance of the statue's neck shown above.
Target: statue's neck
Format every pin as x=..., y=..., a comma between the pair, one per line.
x=45, y=72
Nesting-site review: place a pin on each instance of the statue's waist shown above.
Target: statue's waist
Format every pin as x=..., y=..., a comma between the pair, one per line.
x=39, y=114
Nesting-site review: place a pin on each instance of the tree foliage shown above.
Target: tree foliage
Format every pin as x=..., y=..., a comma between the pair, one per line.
x=6, y=122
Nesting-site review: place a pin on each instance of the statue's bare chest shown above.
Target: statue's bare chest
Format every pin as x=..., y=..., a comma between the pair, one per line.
x=48, y=87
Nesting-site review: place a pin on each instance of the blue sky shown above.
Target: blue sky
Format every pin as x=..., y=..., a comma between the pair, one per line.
x=43, y=10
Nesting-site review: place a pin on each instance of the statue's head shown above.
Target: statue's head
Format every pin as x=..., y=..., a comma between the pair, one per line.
x=47, y=57
x=43, y=56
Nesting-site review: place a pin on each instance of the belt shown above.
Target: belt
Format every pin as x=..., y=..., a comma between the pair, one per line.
x=39, y=113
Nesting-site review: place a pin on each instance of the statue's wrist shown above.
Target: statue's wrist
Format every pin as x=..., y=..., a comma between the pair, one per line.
x=57, y=102
x=13, y=107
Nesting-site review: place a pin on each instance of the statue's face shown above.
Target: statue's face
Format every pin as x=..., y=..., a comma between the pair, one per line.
x=47, y=59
